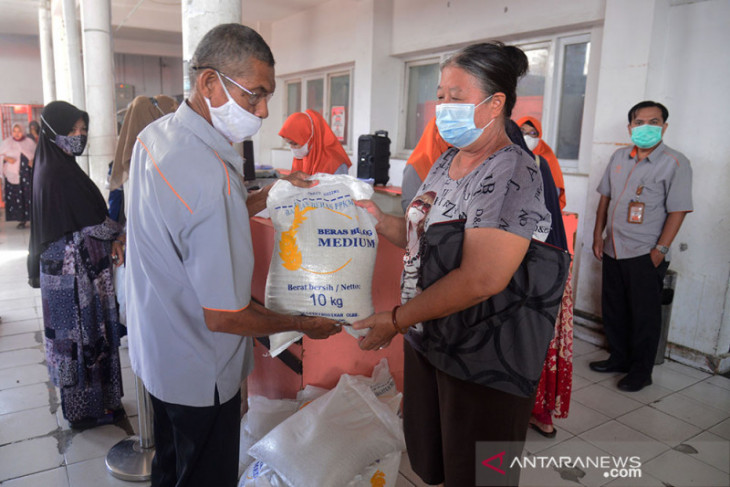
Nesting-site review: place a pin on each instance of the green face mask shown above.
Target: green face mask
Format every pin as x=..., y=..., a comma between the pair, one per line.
x=646, y=136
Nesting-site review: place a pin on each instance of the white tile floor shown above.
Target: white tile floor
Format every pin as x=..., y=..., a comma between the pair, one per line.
x=679, y=426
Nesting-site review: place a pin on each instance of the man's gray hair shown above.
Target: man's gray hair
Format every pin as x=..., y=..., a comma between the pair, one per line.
x=227, y=48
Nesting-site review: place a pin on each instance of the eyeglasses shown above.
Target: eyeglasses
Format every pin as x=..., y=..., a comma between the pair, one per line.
x=253, y=98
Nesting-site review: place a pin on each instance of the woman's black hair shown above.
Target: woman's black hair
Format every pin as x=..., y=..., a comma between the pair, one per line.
x=496, y=66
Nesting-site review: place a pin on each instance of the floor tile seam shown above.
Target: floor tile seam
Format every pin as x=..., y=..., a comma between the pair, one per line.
x=725, y=414
x=696, y=459
x=615, y=392
x=695, y=399
x=674, y=418
x=63, y=466
x=665, y=442
x=666, y=447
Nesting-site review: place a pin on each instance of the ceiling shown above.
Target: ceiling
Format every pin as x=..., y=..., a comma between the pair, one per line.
x=147, y=20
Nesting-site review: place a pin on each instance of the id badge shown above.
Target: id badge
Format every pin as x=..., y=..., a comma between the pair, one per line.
x=636, y=212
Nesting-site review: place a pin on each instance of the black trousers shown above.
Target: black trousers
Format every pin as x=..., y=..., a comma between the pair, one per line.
x=196, y=446
x=632, y=310
x=444, y=418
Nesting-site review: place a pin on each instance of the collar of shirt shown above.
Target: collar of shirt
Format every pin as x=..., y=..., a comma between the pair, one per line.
x=209, y=135
x=653, y=156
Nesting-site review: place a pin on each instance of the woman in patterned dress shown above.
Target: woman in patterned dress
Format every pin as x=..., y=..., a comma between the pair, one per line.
x=72, y=249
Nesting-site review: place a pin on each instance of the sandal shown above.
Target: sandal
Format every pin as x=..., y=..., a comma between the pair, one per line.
x=544, y=433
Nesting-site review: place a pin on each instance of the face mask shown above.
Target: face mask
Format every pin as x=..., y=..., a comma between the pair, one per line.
x=455, y=122
x=531, y=141
x=231, y=120
x=646, y=136
x=300, y=152
x=72, y=145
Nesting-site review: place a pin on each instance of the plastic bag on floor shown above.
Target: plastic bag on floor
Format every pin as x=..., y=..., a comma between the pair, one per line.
x=324, y=252
x=329, y=442
x=262, y=416
x=382, y=473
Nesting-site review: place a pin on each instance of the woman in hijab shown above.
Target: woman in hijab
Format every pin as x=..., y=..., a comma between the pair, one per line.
x=532, y=133
x=17, y=154
x=314, y=146
x=34, y=131
x=72, y=248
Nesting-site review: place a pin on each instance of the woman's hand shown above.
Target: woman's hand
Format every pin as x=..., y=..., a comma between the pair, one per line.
x=381, y=331
x=118, y=248
x=300, y=179
x=374, y=210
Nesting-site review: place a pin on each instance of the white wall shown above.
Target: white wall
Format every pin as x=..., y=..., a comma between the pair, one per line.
x=423, y=25
x=20, y=63
x=150, y=75
x=670, y=52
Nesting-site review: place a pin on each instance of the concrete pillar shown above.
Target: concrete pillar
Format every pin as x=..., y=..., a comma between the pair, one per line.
x=99, y=76
x=46, y=46
x=198, y=17
x=60, y=53
x=67, y=59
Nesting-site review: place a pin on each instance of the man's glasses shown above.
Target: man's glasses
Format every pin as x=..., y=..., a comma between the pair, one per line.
x=253, y=98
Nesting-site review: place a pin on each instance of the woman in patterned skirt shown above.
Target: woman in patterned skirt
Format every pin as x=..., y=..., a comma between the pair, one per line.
x=73, y=247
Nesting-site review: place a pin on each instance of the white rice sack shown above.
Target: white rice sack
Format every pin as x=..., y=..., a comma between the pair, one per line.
x=324, y=253
x=329, y=442
x=383, y=473
x=262, y=416
x=258, y=474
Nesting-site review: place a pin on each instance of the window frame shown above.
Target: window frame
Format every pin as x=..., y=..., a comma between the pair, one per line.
x=555, y=44
x=561, y=41
x=324, y=74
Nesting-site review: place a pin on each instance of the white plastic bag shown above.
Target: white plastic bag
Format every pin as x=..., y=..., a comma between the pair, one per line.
x=329, y=442
x=262, y=416
x=383, y=473
x=324, y=252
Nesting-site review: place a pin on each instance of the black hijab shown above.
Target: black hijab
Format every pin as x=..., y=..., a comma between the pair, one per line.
x=65, y=199
x=556, y=236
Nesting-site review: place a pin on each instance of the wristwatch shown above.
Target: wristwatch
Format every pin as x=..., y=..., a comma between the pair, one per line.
x=662, y=249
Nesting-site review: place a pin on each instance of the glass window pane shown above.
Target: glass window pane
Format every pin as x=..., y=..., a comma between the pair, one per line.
x=531, y=87
x=315, y=95
x=572, y=98
x=422, y=83
x=293, y=97
x=339, y=106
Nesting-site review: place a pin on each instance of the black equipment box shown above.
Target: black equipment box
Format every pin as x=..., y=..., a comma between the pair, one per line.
x=373, y=156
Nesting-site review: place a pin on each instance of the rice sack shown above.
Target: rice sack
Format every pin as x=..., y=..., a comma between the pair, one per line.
x=324, y=252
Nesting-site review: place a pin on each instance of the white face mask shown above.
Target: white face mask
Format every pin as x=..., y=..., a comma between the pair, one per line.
x=231, y=120
x=531, y=141
x=300, y=152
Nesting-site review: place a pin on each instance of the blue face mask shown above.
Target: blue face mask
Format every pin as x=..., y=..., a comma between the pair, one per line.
x=455, y=122
x=646, y=136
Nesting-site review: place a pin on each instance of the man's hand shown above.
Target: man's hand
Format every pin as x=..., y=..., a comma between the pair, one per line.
x=317, y=328
x=10, y=160
x=299, y=179
x=381, y=331
x=598, y=248
x=656, y=257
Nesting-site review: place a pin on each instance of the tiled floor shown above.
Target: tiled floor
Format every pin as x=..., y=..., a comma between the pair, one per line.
x=679, y=427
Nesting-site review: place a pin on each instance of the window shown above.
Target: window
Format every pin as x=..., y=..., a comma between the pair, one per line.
x=531, y=87
x=553, y=91
x=574, y=60
x=328, y=93
x=423, y=79
x=293, y=97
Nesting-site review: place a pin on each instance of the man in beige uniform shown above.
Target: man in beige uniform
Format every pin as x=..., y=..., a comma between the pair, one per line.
x=645, y=193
